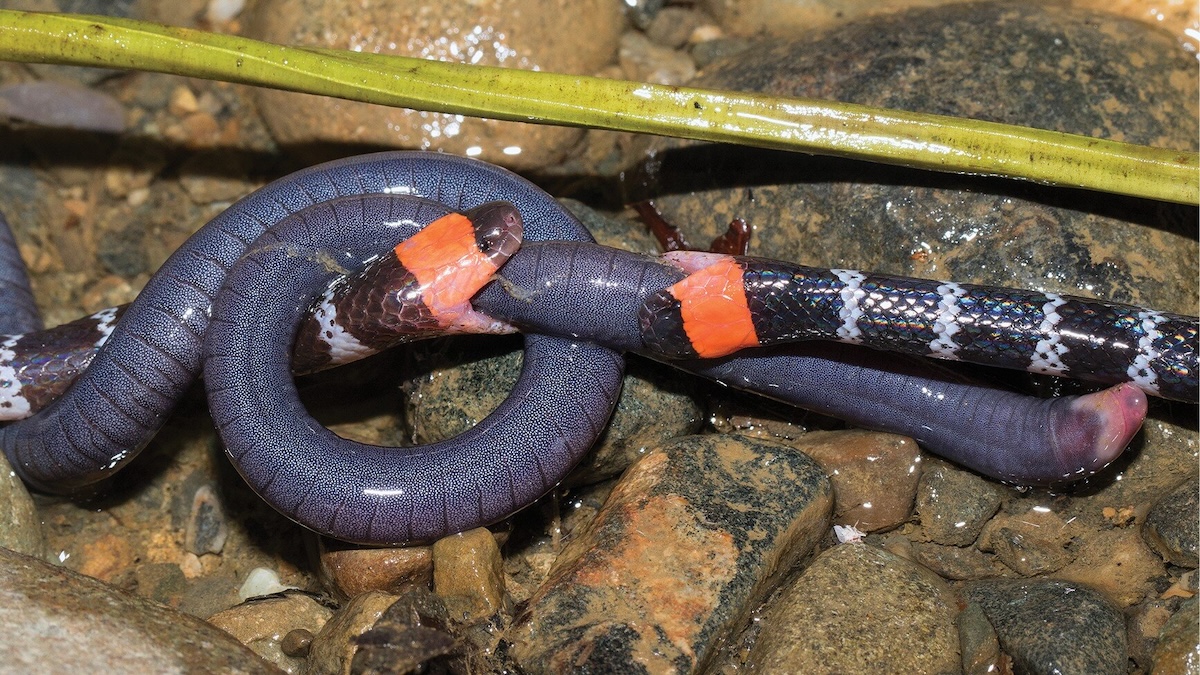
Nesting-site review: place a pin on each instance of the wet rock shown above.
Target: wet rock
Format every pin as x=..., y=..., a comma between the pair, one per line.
x=1030, y=543
x=468, y=574
x=348, y=571
x=1144, y=624
x=958, y=562
x=1054, y=626
x=57, y=621
x=1117, y=563
x=1179, y=643
x=331, y=651
x=874, y=475
x=1024, y=62
x=1171, y=527
x=954, y=505
x=21, y=530
x=541, y=35
x=264, y=623
x=689, y=540
x=978, y=643
x=859, y=609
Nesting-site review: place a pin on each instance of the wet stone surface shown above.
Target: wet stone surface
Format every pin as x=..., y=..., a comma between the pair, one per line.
x=1053, y=626
x=954, y=504
x=691, y=536
x=857, y=609
x=1171, y=526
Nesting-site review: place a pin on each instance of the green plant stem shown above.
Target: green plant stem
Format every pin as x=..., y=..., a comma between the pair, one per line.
x=895, y=137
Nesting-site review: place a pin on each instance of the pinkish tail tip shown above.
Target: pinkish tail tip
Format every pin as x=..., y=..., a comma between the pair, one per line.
x=1114, y=415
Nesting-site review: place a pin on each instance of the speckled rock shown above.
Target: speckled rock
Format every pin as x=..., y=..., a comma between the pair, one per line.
x=1054, y=626
x=1178, y=650
x=1024, y=61
x=859, y=609
x=468, y=574
x=1171, y=527
x=687, y=543
x=348, y=570
x=874, y=475
x=539, y=35
x=954, y=504
x=262, y=624
x=20, y=526
x=57, y=621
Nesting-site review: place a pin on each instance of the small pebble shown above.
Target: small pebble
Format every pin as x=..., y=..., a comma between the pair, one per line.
x=21, y=530
x=261, y=581
x=297, y=643
x=874, y=475
x=979, y=645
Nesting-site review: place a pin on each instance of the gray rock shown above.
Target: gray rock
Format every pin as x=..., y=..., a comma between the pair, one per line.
x=1054, y=626
x=954, y=505
x=20, y=526
x=1179, y=643
x=686, y=545
x=57, y=621
x=859, y=609
x=1172, y=528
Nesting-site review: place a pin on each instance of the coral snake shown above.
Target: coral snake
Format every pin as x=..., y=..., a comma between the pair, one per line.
x=269, y=275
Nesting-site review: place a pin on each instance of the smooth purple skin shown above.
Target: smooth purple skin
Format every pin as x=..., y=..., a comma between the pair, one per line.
x=595, y=293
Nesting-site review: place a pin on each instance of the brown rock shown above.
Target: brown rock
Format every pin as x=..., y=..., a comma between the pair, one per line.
x=1118, y=563
x=348, y=571
x=263, y=624
x=332, y=649
x=468, y=573
x=874, y=475
x=543, y=34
